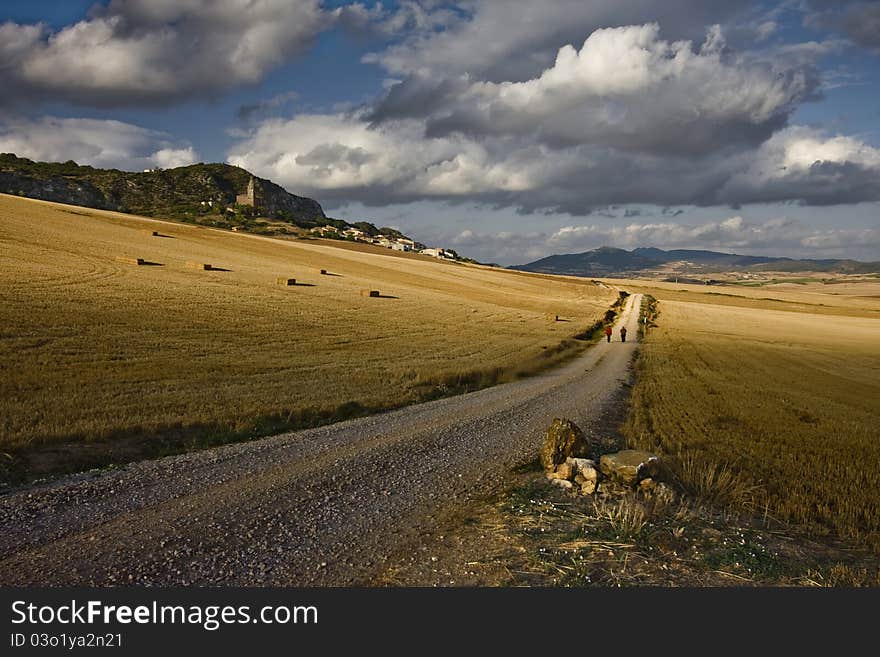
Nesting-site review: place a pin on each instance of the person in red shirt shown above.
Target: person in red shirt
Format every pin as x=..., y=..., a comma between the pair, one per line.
x=608, y=333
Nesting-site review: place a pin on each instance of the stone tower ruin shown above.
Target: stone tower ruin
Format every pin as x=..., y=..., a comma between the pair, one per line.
x=253, y=196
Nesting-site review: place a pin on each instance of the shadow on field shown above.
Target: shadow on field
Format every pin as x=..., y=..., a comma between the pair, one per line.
x=79, y=453
x=44, y=457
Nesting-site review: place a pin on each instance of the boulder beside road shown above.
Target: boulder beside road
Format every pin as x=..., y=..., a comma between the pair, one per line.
x=563, y=440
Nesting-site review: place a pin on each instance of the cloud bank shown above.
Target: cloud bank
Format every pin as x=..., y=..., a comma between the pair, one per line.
x=134, y=52
x=99, y=143
x=626, y=88
x=629, y=117
x=499, y=40
x=342, y=157
x=731, y=235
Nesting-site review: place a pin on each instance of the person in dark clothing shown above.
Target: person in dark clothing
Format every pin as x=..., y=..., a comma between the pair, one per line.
x=608, y=333
x=623, y=334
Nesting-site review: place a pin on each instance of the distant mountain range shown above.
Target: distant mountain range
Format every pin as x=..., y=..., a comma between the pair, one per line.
x=610, y=262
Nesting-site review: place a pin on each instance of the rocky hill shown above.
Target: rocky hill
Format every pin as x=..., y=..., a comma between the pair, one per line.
x=202, y=193
x=606, y=261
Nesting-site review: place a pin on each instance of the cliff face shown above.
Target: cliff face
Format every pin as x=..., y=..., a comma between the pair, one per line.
x=276, y=201
x=181, y=193
x=54, y=188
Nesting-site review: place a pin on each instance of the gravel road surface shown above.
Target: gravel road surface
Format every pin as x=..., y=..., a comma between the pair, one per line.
x=320, y=507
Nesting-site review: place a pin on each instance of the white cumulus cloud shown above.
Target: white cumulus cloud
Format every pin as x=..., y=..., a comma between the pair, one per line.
x=516, y=39
x=141, y=51
x=342, y=156
x=806, y=164
x=630, y=89
x=99, y=143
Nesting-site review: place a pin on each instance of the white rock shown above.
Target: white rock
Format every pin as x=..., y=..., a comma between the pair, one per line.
x=580, y=464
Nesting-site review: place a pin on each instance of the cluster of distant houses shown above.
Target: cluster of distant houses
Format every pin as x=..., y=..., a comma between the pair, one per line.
x=394, y=243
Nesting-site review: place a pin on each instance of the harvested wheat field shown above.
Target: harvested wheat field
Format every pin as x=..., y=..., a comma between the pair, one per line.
x=851, y=296
x=100, y=354
x=774, y=410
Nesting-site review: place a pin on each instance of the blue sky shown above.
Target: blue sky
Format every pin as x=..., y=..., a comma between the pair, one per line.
x=507, y=129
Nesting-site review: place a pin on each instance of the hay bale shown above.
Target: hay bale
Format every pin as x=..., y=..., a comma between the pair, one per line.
x=198, y=265
x=323, y=272
x=285, y=281
x=551, y=317
x=369, y=293
x=130, y=261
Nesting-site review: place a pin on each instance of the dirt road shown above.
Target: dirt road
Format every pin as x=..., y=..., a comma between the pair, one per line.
x=324, y=506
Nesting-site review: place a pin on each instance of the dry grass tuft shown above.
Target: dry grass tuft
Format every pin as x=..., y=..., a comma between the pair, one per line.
x=627, y=516
x=844, y=575
x=715, y=482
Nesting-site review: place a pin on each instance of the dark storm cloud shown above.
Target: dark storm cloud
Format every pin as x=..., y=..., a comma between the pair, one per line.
x=859, y=20
x=862, y=24
x=417, y=96
x=823, y=183
x=250, y=110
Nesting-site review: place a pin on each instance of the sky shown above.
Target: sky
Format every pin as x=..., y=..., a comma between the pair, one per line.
x=505, y=129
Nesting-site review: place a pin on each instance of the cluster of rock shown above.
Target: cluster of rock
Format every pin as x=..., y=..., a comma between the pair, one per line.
x=565, y=455
x=576, y=472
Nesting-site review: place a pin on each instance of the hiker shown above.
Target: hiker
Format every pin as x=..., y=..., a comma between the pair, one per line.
x=608, y=333
x=623, y=334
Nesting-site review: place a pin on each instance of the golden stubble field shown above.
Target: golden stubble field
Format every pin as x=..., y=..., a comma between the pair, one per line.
x=775, y=409
x=92, y=347
x=849, y=296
